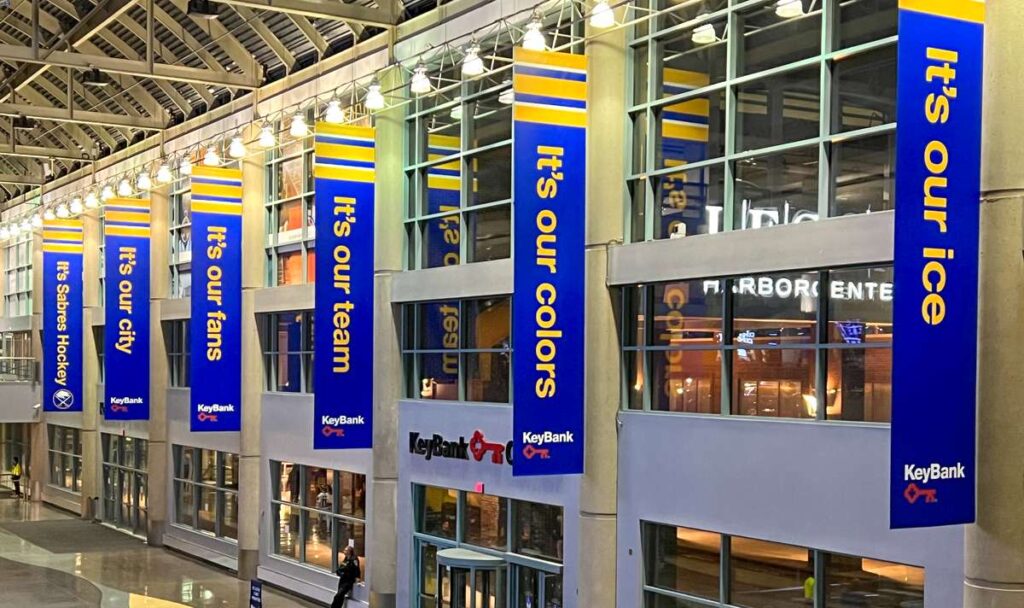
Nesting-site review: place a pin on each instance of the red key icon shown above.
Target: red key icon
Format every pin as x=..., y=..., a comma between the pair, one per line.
x=204, y=417
x=480, y=447
x=329, y=431
x=119, y=408
x=530, y=451
x=913, y=493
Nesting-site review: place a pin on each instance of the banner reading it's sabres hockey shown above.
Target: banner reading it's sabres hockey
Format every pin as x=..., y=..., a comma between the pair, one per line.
x=216, y=325
x=935, y=311
x=549, y=167
x=126, y=337
x=345, y=167
x=62, y=315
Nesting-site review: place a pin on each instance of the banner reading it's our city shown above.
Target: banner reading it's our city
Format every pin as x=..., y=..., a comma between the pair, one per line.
x=343, y=341
x=938, y=148
x=216, y=325
x=549, y=166
x=62, y=315
x=126, y=339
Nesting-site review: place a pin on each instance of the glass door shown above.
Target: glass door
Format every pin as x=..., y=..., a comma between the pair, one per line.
x=470, y=587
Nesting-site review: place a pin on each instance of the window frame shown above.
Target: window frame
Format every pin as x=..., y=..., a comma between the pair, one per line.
x=60, y=460
x=198, y=485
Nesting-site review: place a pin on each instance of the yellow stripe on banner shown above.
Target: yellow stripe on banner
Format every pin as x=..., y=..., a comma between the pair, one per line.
x=215, y=190
x=137, y=203
x=127, y=216
x=442, y=182
x=695, y=107
x=685, y=78
x=354, y=131
x=217, y=208
x=344, y=152
x=139, y=231
x=62, y=248
x=687, y=131
x=963, y=10
x=347, y=174
x=449, y=142
x=57, y=235
x=529, y=84
x=547, y=115
x=58, y=223
x=216, y=172
x=551, y=59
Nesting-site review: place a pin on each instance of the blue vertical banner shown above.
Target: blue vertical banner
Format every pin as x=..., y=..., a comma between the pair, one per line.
x=938, y=150
x=62, y=315
x=126, y=337
x=549, y=160
x=344, y=169
x=216, y=325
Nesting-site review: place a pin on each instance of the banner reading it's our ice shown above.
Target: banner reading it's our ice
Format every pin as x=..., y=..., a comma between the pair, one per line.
x=549, y=166
x=126, y=339
x=938, y=149
x=343, y=341
x=62, y=315
x=216, y=326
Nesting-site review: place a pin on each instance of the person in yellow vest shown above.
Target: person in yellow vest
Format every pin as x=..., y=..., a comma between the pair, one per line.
x=809, y=588
x=16, y=476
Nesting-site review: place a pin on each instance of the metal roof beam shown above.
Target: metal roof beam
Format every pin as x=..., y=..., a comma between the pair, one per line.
x=102, y=119
x=7, y=149
x=21, y=180
x=128, y=67
x=324, y=9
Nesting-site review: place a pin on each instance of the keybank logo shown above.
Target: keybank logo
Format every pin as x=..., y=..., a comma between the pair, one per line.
x=547, y=437
x=478, y=448
x=333, y=426
x=914, y=475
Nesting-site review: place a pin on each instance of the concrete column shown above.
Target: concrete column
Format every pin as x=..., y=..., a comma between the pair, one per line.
x=994, y=554
x=253, y=261
x=91, y=490
x=159, y=288
x=387, y=376
x=605, y=197
x=39, y=461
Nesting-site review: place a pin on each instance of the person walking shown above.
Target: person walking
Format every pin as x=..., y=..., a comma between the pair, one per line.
x=16, y=477
x=348, y=573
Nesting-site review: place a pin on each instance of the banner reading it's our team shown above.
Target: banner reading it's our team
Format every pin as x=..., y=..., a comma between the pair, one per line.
x=216, y=328
x=343, y=343
x=549, y=166
x=62, y=315
x=938, y=149
x=126, y=339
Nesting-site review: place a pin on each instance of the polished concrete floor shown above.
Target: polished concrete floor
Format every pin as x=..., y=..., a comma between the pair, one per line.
x=49, y=558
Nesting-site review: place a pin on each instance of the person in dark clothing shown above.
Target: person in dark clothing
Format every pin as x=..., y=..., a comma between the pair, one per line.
x=348, y=573
x=16, y=476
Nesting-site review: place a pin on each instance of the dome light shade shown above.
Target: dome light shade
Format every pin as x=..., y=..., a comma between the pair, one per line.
x=26, y=225
x=107, y=193
x=374, y=98
x=212, y=156
x=787, y=9
x=704, y=34
x=37, y=221
x=472, y=65
x=236, y=149
x=76, y=206
x=163, y=174
x=508, y=96
x=91, y=200
x=533, y=37
x=14, y=229
x=420, y=82
x=334, y=114
x=185, y=168
x=5, y=233
x=602, y=16
x=267, y=139
x=49, y=215
x=299, y=127
x=124, y=188
x=62, y=211
x=144, y=182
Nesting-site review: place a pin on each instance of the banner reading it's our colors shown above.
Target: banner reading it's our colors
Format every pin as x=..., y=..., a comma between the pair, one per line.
x=126, y=340
x=216, y=325
x=938, y=148
x=62, y=315
x=343, y=343
x=549, y=166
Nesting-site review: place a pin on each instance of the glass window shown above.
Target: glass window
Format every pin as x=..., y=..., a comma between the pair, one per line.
x=458, y=350
x=780, y=188
x=17, y=275
x=206, y=491
x=65, y=454
x=438, y=511
x=287, y=341
x=289, y=211
x=180, y=234
x=486, y=520
x=768, y=575
x=176, y=338
x=682, y=560
x=871, y=582
x=317, y=513
x=538, y=530
x=125, y=482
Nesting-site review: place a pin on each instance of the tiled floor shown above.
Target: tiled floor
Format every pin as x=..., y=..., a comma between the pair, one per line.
x=51, y=559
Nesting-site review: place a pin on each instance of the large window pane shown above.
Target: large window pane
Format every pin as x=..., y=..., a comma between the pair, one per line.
x=872, y=583
x=860, y=305
x=694, y=57
x=690, y=202
x=771, y=40
x=768, y=575
x=487, y=377
x=486, y=521
x=862, y=21
x=492, y=175
x=318, y=538
x=687, y=313
x=207, y=509
x=538, y=530
x=864, y=173
x=686, y=381
x=865, y=90
x=779, y=109
x=287, y=524
x=860, y=384
x=691, y=131
x=776, y=189
x=490, y=234
x=775, y=310
x=229, y=523
x=682, y=559
x=774, y=383
x=438, y=508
